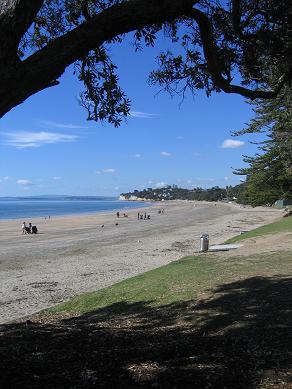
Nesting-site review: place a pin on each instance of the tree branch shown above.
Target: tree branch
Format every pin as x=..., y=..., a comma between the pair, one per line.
x=236, y=17
x=16, y=16
x=237, y=24
x=116, y=20
x=43, y=68
x=211, y=56
x=84, y=8
x=37, y=71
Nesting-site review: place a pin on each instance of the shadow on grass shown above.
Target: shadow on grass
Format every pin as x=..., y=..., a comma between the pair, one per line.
x=239, y=338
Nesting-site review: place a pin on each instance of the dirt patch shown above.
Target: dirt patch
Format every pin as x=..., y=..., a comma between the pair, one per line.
x=271, y=243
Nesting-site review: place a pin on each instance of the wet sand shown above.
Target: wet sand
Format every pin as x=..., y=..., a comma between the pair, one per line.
x=75, y=254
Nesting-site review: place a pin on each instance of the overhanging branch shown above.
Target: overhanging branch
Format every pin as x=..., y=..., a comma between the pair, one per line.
x=16, y=16
x=53, y=59
x=37, y=71
x=211, y=56
x=113, y=21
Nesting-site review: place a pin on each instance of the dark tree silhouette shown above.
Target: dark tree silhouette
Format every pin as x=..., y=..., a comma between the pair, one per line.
x=244, y=39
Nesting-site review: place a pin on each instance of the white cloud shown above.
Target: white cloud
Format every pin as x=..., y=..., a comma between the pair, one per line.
x=232, y=144
x=116, y=188
x=47, y=123
x=4, y=179
x=57, y=178
x=110, y=170
x=25, y=183
x=143, y=115
x=24, y=139
x=226, y=178
x=137, y=156
x=165, y=154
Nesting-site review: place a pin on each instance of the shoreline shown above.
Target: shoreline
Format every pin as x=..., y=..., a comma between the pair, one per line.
x=75, y=254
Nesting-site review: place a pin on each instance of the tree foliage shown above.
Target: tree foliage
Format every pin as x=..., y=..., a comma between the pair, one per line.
x=218, y=42
x=269, y=172
x=175, y=193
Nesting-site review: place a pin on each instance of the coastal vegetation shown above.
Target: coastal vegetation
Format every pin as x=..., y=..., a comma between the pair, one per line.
x=245, y=193
x=173, y=192
x=211, y=44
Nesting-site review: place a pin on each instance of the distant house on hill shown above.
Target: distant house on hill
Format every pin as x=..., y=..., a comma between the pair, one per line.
x=283, y=203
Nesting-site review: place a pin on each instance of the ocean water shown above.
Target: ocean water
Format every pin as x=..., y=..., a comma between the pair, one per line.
x=28, y=207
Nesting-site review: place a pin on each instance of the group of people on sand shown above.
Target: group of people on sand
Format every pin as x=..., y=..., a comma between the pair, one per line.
x=119, y=215
x=143, y=216
x=30, y=229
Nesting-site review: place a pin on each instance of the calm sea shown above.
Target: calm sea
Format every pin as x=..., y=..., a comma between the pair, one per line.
x=16, y=208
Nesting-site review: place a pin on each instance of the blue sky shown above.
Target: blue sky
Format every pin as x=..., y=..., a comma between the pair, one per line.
x=48, y=147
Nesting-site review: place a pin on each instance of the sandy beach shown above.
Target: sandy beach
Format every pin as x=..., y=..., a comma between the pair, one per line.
x=75, y=254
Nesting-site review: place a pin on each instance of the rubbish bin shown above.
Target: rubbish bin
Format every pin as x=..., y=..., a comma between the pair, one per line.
x=204, y=242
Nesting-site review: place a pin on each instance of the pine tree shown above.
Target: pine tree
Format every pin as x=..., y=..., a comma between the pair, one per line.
x=269, y=174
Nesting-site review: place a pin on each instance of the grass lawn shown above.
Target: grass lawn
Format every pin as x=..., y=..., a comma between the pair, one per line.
x=283, y=225
x=183, y=280
x=180, y=281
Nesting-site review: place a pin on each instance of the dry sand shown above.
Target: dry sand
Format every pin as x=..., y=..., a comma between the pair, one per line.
x=72, y=255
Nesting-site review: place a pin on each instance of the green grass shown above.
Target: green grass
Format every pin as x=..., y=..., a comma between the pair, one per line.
x=179, y=281
x=283, y=225
x=166, y=284
x=185, y=279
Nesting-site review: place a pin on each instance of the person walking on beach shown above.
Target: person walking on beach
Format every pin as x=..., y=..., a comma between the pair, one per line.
x=118, y=214
x=23, y=228
x=138, y=215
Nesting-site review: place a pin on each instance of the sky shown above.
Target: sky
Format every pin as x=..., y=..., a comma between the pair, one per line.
x=48, y=147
